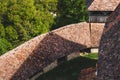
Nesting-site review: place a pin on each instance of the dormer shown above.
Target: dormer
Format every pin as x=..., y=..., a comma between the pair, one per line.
x=99, y=10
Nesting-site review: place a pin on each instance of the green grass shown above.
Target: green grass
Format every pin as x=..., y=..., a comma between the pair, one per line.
x=92, y=56
x=70, y=70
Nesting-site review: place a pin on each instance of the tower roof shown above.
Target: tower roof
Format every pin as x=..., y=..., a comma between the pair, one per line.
x=102, y=5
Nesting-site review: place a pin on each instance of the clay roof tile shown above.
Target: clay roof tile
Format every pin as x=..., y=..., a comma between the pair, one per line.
x=102, y=5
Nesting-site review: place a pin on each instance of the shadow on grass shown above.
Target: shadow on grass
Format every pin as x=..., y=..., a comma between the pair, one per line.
x=69, y=70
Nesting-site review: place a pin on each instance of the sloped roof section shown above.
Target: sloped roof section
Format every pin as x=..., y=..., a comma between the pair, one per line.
x=102, y=5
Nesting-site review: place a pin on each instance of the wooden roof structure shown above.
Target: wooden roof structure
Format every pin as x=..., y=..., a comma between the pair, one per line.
x=102, y=5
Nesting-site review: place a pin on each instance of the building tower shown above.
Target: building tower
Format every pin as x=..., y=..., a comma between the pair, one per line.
x=99, y=10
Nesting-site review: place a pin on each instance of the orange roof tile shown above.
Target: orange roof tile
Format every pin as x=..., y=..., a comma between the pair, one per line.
x=102, y=5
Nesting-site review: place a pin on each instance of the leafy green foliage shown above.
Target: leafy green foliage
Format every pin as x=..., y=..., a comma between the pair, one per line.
x=23, y=36
x=11, y=33
x=70, y=11
x=49, y=5
x=2, y=31
x=21, y=20
x=4, y=46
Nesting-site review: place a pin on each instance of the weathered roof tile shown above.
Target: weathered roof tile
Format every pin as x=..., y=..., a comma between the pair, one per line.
x=102, y=5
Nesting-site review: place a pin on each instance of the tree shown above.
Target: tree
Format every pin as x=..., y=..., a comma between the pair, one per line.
x=4, y=45
x=2, y=31
x=46, y=8
x=70, y=11
x=11, y=33
x=21, y=20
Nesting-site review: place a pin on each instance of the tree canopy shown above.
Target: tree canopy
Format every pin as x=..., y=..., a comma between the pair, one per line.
x=21, y=20
x=70, y=11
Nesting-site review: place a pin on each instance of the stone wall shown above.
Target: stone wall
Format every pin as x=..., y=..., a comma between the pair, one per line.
x=34, y=55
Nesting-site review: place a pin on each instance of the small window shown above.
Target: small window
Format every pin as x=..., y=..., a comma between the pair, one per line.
x=98, y=16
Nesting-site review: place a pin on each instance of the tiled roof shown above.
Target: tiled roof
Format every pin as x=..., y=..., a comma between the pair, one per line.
x=102, y=5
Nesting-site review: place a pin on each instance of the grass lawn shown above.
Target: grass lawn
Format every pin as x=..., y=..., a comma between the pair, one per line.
x=70, y=70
